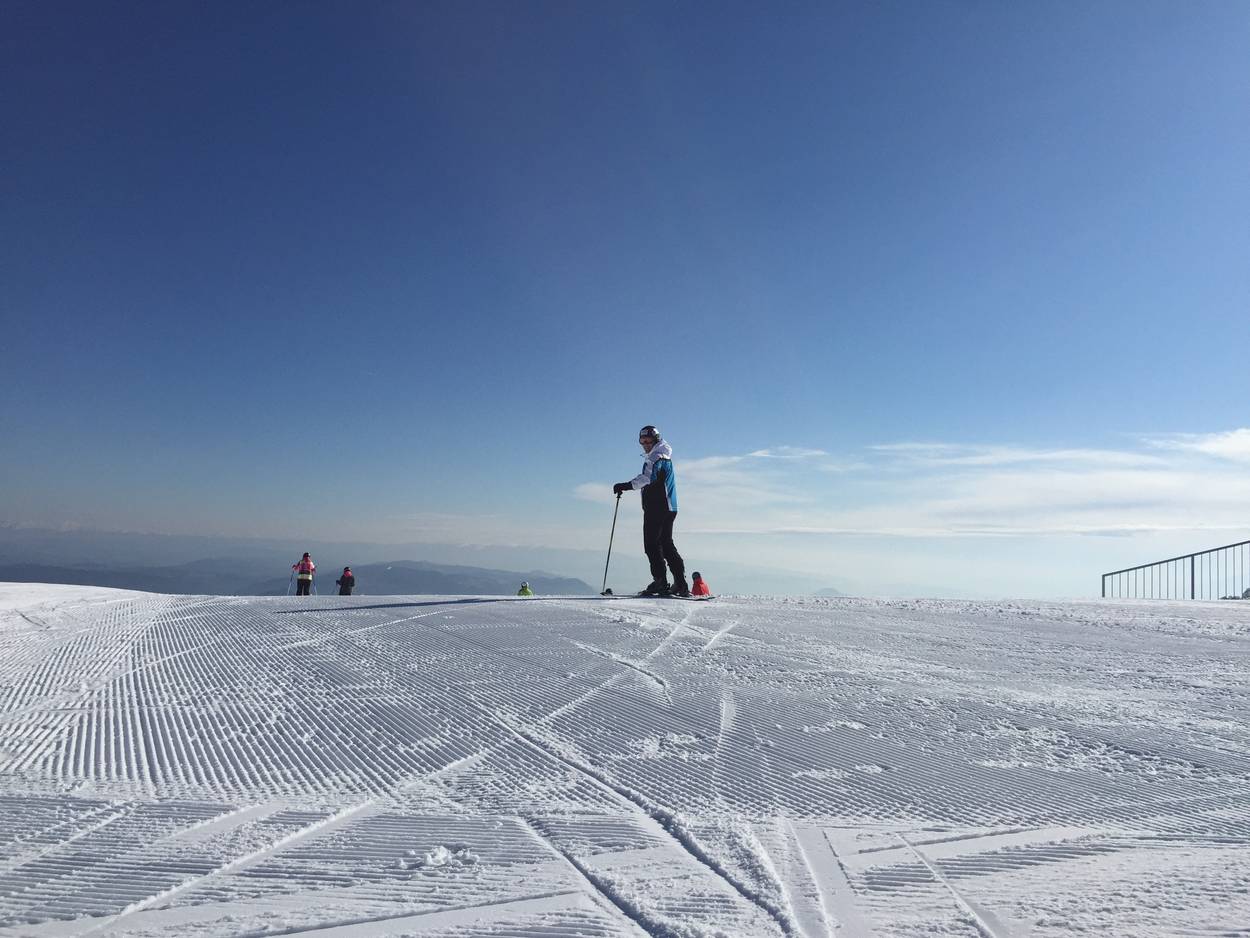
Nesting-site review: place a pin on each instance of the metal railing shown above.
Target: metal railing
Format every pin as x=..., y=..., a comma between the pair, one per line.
x=1218, y=573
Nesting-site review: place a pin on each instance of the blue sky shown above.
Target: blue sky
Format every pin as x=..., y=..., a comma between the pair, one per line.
x=405, y=272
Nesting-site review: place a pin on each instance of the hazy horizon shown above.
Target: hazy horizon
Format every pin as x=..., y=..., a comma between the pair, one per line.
x=627, y=572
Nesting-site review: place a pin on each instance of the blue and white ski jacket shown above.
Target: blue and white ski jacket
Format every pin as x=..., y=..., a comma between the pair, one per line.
x=657, y=480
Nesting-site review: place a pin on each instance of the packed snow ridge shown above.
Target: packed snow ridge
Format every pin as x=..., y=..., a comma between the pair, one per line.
x=365, y=766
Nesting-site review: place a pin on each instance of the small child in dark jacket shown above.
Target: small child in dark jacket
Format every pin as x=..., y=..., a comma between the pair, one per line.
x=346, y=582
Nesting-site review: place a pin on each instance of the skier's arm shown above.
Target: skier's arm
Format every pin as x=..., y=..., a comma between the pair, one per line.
x=644, y=477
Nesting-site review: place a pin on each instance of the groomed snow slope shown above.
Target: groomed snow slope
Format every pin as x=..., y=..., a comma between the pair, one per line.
x=420, y=766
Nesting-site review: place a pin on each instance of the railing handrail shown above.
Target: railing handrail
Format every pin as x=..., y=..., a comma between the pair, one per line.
x=1197, y=553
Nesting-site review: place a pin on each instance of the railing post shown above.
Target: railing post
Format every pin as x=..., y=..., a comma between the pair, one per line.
x=1192, y=594
x=1104, y=586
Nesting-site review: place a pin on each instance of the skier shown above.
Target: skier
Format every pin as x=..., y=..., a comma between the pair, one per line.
x=659, y=512
x=525, y=589
x=698, y=585
x=304, y=570
x=346, y=582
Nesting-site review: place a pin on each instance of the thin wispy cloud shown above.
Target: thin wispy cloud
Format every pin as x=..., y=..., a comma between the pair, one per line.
x=1232, y=445
x=953, y=454
x=788, y=452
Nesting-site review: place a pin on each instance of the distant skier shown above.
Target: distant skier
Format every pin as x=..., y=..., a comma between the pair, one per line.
x=346, y=582
x=698, y=585
x=525, y=589
x=659, y=512
x=304, y=570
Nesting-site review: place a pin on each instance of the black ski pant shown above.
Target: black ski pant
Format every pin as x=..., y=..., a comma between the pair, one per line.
x=657, y=540
x=302, y=587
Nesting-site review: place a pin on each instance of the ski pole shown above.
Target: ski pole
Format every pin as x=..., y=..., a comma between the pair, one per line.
x=610, y=539
x=290, y=582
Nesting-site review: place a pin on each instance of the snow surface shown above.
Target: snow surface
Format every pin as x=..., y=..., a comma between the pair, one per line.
x=365, y=766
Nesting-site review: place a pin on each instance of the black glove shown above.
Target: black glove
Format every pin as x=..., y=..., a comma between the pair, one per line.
x=621, y=487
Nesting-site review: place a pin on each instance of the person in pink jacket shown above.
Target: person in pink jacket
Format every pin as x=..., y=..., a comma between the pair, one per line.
x=304, y=570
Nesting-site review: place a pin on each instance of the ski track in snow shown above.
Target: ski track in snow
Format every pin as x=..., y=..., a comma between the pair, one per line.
x=365, y=766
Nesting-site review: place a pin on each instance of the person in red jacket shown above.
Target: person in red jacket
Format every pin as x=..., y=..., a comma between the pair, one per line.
x=304, y=570
x=698, y=585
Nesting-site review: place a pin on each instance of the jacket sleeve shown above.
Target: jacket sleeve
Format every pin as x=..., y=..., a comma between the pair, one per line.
x=648, y=470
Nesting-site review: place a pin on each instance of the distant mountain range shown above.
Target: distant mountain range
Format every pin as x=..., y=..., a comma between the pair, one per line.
x=229, y=577
x=175, y=563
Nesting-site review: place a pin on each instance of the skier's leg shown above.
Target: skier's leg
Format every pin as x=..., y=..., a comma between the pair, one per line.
x=652, y=537
x=669, y=549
